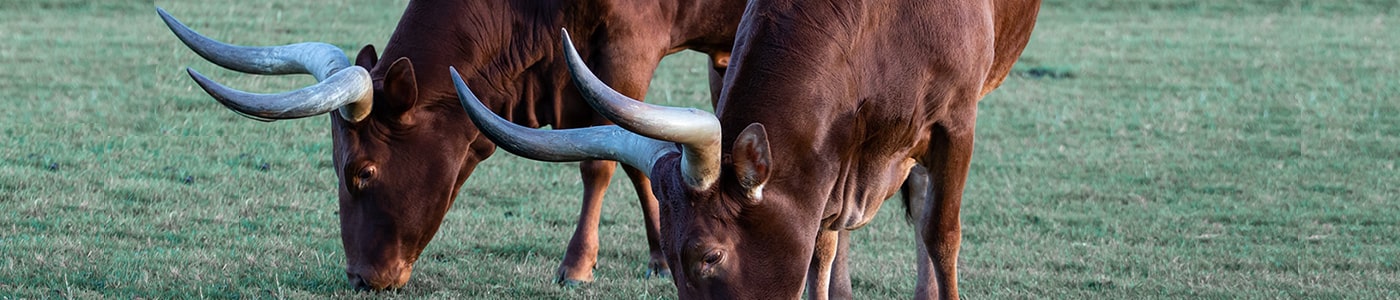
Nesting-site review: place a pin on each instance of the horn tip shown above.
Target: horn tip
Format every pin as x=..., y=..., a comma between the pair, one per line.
x=164, y=15
x=203, y=82
x=456, y=76
x=464, y=94
x=194, y=74
x=568, y=41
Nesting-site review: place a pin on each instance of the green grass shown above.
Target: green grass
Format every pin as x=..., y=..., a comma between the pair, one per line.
x=1144, y=149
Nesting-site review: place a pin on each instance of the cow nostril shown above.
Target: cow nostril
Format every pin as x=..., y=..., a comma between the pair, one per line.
x=376, y=279
x=357, y=282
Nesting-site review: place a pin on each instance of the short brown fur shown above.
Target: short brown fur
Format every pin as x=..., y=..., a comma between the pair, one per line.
x=851, y=95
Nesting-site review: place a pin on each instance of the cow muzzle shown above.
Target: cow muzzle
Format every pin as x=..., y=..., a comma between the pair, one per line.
x=393, y=276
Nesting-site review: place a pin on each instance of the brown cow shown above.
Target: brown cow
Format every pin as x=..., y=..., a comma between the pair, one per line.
x=824, y=110
x=403, y=148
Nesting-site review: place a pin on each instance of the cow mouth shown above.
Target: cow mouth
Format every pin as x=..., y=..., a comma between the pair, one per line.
x=391, y=279
x=361, y=286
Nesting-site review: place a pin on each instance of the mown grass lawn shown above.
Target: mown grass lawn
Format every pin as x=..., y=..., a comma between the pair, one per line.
x=1144, y=149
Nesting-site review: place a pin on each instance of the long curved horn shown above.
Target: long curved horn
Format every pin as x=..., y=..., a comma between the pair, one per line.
x=340, y=84
x=599, y=142
x=697, y=130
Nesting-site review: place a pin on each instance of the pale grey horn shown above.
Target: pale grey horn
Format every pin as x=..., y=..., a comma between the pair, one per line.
x=697, y=130
x=599, y=142
x=340, y=85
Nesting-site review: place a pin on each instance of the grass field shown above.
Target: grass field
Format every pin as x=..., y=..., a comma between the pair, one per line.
x=1144, y=149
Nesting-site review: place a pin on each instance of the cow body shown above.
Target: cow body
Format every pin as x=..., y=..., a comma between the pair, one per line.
x=851, y=95
x=401, y=165
x=512, y=48
x=824, y=110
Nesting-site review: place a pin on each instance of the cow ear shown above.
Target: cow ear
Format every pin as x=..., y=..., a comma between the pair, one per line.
x=367, y=57
x=401, y=89
x=752, y=161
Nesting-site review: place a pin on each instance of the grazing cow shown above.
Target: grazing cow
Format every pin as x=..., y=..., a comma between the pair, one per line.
x=403, y=147
x=825, y=109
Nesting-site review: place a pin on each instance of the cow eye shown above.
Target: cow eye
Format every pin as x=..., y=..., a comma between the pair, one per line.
x=366, y=173
x=363, y=177
x=709, y=264
x=713, y=257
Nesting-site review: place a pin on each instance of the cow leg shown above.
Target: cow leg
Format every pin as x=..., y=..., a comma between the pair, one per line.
x=827, y=276
x=927, y=288
x=915, y=193
x=840, y=275
x=627, y=66
x=582, y=254
x=948, y=159
x=819, y=272
x=651, y=213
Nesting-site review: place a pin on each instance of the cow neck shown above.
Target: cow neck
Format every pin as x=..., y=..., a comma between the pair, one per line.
x=840, y=139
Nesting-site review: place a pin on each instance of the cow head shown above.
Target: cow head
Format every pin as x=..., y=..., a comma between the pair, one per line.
x=722, y=238
x=399, y=164
x=398, y=170
x=715, y=213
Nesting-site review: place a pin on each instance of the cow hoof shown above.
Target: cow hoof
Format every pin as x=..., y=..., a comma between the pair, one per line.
x=563, y=280
x=571, y=283
x=658, y=268
x=658, y=273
